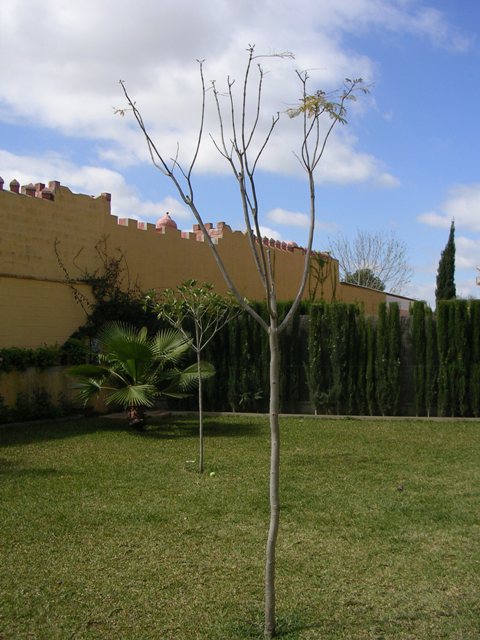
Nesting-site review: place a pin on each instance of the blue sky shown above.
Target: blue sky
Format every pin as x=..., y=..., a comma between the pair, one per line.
x=407, y=162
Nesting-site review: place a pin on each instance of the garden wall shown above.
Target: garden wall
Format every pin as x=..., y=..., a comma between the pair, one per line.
x=53, y=380
x=49, y=232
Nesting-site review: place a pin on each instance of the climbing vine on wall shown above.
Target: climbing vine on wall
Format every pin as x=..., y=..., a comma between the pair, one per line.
x=114, y=296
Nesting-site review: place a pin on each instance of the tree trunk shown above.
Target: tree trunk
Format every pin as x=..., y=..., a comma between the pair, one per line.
x=274, y=481
x=136, y=417
x=200, y=415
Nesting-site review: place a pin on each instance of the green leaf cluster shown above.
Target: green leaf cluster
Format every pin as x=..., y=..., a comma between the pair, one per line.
x=134, y=368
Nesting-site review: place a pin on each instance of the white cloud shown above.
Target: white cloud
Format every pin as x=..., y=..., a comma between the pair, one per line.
x=291, y=218
x=61, y=63
x=467, y=253
x=434, y=219
x=467, y=288
x=462, y=205
x=126, y=202
x=267, y=232
x=422, y=291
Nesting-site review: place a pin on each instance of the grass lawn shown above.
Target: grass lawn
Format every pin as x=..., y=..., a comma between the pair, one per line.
x=107, y=533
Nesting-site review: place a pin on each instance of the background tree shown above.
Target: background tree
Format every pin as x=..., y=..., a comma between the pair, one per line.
x=198, y=313
x=241, y=143
x=446, y=269
x=365, y=278
x=376, y=260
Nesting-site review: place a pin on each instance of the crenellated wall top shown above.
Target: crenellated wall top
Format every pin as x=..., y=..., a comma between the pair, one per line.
x=166, y=224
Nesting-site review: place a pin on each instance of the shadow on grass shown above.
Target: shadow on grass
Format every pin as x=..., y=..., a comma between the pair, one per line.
x=188, y=428
x=290, y=627
x=12, y=435
x=14, y=469
x=35, y=432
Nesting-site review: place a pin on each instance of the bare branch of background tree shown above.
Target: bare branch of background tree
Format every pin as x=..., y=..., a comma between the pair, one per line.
x=376, y=260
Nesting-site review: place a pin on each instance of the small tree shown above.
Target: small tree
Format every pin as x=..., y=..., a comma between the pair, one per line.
x=373, y=260
x=446, y=269
x=240, y=142
x=196, y=310
x=135, y=369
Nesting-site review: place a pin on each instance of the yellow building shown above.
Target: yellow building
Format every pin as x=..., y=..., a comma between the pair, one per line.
x=48, y=232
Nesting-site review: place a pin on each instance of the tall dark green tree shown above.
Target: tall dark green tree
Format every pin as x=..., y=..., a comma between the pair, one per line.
x=431, y=362
x=446, y=270
x=475, y=357
x=394, y=346
x=370, y=388
x=381, y=361
x=419, y=355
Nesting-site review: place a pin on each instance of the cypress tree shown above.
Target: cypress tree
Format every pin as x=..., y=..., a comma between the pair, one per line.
x=370, y=367
x=352, y=359
x=442, y=344
x=393, y=357
x=446, y=270
x=445, y=315
x=475, y=357
x=318, y=371
x=431, y=362
x=216, y=388
x=381, y=361
x=314, y=356
x=235, y=364
x=461, y=364
x=337, y=349
x=419, y=356
x=361, y=365
x=290, y=349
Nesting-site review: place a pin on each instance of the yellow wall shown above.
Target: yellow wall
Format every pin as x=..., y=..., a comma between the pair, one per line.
x=37, y=312
x=37, y=306
x=54, y=380
x=367, y=299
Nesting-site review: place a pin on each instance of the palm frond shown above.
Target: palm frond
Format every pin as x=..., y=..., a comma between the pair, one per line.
x=170, y=346
x=87, y=389
x=112, y=331
x=188, y=378
x=142, y=395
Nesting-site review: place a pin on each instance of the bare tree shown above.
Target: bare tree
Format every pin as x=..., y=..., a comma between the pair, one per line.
x=240, y=142
x=375, y=260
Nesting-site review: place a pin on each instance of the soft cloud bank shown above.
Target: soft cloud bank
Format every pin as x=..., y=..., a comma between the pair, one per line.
x=60, y=70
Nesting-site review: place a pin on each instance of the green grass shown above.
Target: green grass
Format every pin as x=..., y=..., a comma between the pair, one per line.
x=110, y=534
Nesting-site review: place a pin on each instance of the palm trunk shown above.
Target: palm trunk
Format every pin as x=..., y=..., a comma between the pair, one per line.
x=200, y=415
x=136, y=416
x=274, y=481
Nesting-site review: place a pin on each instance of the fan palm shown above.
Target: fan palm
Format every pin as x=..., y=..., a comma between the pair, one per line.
x=134, y=369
